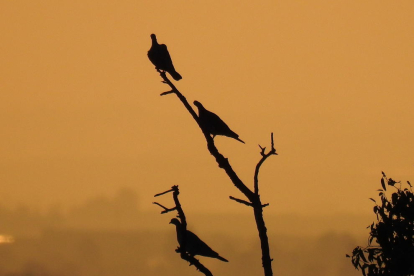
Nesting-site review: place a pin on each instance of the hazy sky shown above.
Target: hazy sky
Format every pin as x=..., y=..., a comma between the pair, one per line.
x=81, y=115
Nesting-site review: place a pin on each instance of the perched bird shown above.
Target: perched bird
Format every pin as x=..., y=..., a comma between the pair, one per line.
x=213, y=124
x=159, y=56
x=195, y=246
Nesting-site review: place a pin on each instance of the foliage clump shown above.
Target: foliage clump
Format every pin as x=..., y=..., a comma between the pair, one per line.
x=390, y=250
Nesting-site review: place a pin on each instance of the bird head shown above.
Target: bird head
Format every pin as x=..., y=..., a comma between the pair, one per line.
x=198, y=104
x=154, y=38
x=175, y=221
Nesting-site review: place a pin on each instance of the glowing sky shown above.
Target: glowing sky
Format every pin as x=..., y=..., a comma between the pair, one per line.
x=81, y=115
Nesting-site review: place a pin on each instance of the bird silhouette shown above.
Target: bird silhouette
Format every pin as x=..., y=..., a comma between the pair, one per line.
x=194, y=245
x=213, y=124
x=159, y=56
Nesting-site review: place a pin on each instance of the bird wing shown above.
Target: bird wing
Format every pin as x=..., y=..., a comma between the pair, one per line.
x=160, y=57
x=197, y=247
x=215, y=124
x=166, y=58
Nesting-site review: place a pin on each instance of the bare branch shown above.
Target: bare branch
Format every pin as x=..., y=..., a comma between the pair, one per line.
x=170, y=190
x=241, y=201
x=259, y=164
x=193, y=261
x=220, y=159
x=166, y=210
x=167, y=81
x=180, y=211
x=183, y=229
x=273, y=144
x=166, y=93
x=262, y=150
x=223, y=163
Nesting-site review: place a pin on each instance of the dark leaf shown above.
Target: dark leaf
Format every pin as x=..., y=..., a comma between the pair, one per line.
x=370, y=255
x=383, y=184
x=363, y=272
x=370, y=239
x=355, y=251
x=372, y=269
x=362, y=256
x=356, y=261
x=384, y=200
x=379, y=261
x=391, y=182
x=394, y=198
x=372, y=199
x=388, y=206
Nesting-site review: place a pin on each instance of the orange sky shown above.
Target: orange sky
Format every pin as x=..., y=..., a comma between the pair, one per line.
x=81, y=113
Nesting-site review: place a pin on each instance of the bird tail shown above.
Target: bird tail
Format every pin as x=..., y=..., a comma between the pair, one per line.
x=222, y=259
x=237, y=138
x=175, y=75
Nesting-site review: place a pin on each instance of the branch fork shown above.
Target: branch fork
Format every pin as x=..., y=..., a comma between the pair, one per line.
x=252, y=196
x=184, y=255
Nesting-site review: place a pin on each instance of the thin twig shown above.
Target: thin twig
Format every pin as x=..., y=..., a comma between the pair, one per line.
x=241, y=201
x=166, y=93
x=183, y=229
x=180, y=211
x=170, y=190
x=166, y=210
x=264, y=155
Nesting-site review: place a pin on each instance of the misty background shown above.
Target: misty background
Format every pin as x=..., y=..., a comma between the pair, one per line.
x=86, y=140
x=112, y=236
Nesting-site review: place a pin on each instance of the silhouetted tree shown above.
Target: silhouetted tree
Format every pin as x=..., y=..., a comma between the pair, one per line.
x=390, y=250
x=182, y=230
x=252, y=195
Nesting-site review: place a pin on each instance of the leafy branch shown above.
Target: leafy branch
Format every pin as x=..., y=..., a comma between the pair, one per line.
x=390, y=249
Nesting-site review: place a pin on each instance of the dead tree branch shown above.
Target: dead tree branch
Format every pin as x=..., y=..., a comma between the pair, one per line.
x=183, y=229
x=220, y=159
x=253, y=197
x=264, y=155
x=166, y=210
x=241, y=201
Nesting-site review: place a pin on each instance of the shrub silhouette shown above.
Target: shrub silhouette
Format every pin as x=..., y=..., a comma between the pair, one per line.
x=390, y=250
